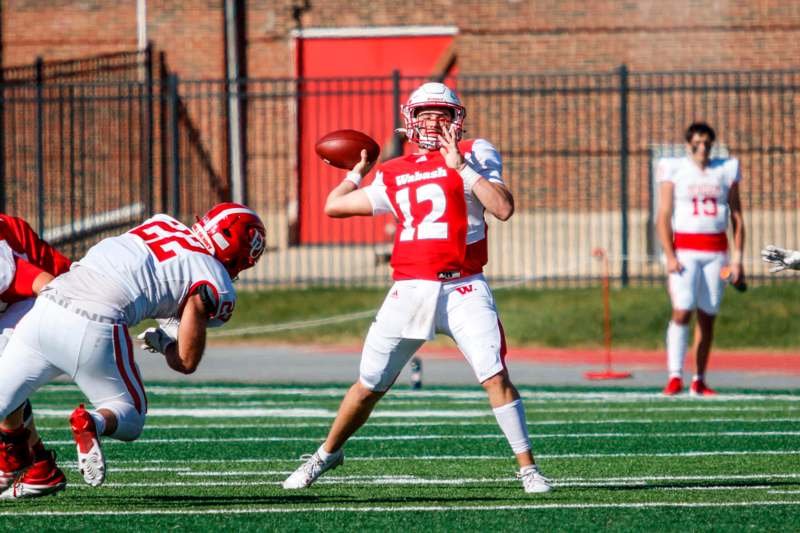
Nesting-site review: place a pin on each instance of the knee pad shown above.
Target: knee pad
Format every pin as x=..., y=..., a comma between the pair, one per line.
x=129, y=421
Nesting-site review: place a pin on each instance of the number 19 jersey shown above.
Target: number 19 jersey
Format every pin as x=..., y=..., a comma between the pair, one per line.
x=147, y=272
x=441, y=232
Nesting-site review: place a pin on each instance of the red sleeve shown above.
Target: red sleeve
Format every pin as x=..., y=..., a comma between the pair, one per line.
x=24, y=240
x=22, y=286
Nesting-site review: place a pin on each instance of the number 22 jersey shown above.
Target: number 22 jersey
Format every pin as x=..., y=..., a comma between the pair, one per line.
x=441, y=232
x=147, y=272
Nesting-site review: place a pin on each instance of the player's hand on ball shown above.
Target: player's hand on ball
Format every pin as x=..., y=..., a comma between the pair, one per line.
x=449, y=148
x=364, y=166
x=781, y=258
x=155, y=340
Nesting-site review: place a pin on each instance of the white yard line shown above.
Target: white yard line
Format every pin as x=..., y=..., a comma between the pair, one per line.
x=670, y=455
x=491, y=436
x=295, y=412
x=452, y=394
x=419, y=482
x=563, y=422
x=411, y=508
x=561, y=482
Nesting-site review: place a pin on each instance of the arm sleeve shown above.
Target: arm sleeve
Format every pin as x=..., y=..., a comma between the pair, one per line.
x=664, y=171
x=22, y=286
x=376, y=193
x=736, y=171
x=38, y=252
x=486, y=161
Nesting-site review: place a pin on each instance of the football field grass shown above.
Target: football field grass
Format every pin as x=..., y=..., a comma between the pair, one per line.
x=212, y=457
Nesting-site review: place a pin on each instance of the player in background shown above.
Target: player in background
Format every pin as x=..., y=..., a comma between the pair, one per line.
x=697, y=196
x=437, y=195
x=79, y=325
x=27, y=264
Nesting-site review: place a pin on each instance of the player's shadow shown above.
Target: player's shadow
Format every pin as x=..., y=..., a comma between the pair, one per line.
x=743, y=484
x=202, y=501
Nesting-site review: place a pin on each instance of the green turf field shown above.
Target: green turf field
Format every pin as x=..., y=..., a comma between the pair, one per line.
x=759, y=319
x=212, y=456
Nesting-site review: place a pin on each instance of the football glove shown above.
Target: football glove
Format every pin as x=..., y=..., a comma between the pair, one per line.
x=781, y=258
x=155, y=340
x=169, y=326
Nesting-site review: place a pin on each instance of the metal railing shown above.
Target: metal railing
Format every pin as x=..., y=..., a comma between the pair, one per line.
x=578, y=149
x=85, y=159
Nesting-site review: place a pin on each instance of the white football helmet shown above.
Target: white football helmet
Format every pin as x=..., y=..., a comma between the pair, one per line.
x=436, y=95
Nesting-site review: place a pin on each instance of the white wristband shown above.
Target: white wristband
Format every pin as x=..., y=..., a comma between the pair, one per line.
x=354, y=177
x=469, y=175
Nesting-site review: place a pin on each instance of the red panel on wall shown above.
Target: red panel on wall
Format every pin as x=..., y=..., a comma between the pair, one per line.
x=366, y=105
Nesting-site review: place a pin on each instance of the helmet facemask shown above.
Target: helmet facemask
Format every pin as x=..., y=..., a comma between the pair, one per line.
x=432, y=96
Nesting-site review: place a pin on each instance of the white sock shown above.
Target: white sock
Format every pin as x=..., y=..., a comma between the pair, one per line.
x=511, y=419
x=698, y=377
x=677, y=341
x=99, y=422
x=323, y=454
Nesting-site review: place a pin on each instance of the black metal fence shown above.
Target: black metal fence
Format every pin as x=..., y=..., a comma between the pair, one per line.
x=90, y=147
x=579, y=151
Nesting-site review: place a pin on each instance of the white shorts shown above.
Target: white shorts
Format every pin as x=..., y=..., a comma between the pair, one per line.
x=698, y=285
x=51, y=340
x=464, y=310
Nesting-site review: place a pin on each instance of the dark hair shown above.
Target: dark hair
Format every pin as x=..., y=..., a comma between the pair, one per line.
x=701, y=128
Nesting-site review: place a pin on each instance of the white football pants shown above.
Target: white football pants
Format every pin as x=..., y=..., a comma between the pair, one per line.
x=699, y=285
x=464, y=310
x=51, y=340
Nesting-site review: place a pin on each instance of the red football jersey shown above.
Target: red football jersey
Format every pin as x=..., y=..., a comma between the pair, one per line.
x=33, y=256
x=431, y=208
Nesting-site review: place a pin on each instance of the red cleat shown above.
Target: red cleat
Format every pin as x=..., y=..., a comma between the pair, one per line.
x=699, y=388
x=674, y=386
x=15, y=455
x=41, y=479
x=91, y=462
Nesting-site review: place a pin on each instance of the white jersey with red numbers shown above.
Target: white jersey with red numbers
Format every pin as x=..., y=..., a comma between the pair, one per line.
x=441, y=232
x=700, y=201
x=147, y=272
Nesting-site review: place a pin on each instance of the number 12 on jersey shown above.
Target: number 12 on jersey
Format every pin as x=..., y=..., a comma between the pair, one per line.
x=429, y=227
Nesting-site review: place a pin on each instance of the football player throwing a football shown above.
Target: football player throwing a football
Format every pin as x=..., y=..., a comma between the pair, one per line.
x=438, y=196
x=27, y=264
x=160, y=269
x=697, y=196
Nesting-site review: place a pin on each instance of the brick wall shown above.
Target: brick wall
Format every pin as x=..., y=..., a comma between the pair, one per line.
x=495, y=36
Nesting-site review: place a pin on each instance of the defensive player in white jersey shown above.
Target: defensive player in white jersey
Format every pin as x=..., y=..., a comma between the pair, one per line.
x=697, y=196
x=79, y=324
x=438, y=196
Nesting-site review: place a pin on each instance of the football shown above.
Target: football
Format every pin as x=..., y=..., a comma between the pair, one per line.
x=342, y=148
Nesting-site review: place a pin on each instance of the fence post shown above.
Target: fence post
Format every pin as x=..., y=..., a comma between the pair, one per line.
x=2, y=141
x=623, y=168
x=39, y=67
x=147, y=167
x=397, y=139
x=175, y=161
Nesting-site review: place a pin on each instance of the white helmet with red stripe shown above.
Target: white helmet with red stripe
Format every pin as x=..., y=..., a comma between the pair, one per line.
x=234, y=234
x=431, y=95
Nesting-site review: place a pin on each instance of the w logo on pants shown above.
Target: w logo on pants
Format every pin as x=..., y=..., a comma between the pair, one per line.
x=464, y=289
